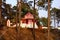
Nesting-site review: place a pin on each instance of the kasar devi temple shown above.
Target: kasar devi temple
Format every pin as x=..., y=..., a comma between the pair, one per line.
x=26, y=21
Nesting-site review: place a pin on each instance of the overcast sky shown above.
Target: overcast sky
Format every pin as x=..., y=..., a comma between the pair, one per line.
x=42, y=13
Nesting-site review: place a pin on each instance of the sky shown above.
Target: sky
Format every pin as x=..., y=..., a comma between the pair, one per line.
x=42, y=13
x=56, y=3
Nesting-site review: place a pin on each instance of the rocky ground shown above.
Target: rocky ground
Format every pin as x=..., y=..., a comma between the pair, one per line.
x=28, y=34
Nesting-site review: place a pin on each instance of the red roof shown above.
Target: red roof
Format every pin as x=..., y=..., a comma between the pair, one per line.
x=28, y=16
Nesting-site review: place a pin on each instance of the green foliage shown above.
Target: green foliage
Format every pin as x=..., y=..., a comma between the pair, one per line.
x=55, y=14
x=15, y=8
x=40, y=3
x=44, y=21
x=44, y=3
x=55, y=11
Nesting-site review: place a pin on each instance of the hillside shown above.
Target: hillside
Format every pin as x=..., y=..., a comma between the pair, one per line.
x=26, y=34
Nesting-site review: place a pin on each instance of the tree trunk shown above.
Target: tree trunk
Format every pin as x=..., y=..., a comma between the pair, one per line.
x=48, y=20
x=0, y=9
x=57, y=22
x=18, y=11
x=54, y=20
x=34, y=23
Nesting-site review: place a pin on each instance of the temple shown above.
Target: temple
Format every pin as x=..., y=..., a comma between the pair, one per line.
x=28, y=20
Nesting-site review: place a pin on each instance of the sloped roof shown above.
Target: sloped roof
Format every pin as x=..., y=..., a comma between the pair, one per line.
x=28, y=15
